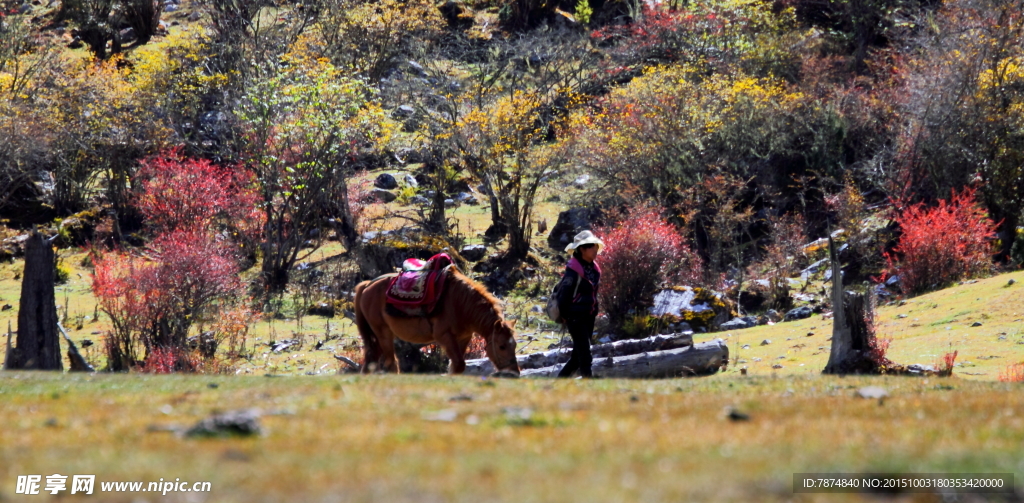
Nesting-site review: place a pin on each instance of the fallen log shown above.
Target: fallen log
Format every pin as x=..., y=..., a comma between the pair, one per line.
x=482, y=366
x=698, y=359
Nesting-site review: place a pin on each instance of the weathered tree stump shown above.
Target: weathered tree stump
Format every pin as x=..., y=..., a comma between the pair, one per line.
x=38, y=345
x=482, y=366
x=854, y=346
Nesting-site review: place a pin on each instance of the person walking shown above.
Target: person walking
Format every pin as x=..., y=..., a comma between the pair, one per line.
x=577, y=301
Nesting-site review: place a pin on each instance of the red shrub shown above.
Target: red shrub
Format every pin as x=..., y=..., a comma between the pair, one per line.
x=180, y=193
x=639, y=255
x=1013, y=373
x=942, y=244
x=159, y=361
x=944, y=367
x=153, y=301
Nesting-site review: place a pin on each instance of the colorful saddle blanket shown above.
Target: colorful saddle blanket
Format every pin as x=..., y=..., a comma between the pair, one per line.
x=417, y=290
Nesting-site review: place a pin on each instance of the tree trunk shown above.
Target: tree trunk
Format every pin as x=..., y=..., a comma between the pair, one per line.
x=853, y=333
x=482, y=366
x=699, y=359
x=38, y=345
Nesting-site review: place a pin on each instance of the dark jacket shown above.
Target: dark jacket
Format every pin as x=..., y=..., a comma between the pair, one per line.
x=584, y=302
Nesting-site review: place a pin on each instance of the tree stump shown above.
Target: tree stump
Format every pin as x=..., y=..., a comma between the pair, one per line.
x=38, y=344
x=854, y=347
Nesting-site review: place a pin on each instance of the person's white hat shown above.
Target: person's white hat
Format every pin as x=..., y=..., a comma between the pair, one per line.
x=585, y=238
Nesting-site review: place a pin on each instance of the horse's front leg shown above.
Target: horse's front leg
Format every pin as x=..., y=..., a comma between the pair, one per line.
x=456, y=352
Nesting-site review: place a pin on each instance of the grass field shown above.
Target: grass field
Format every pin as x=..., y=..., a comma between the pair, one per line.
x=424, y=439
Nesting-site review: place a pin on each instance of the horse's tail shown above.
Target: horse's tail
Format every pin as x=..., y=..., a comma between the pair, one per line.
x=365, y=330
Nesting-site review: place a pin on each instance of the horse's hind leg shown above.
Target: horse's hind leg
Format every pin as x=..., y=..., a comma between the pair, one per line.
x=386, y=359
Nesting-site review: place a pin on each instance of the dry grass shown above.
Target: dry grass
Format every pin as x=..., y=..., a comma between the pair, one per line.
x=371, y=438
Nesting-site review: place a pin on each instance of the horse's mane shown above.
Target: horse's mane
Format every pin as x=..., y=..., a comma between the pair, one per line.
x=472, y=292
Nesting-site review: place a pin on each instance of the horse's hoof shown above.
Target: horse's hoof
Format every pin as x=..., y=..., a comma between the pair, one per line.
x=506, y=373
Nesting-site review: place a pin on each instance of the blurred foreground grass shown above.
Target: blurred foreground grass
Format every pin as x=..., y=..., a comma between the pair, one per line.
x=439, y=438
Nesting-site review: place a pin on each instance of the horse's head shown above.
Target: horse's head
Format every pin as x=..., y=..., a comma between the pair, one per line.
x=501, y=349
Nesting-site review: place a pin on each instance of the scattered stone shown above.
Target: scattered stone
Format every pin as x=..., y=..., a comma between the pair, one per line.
x=385, y=181
x=976, y=324
x=766, y=342
x=410, y=181
x=195, y=16
x=901, y=316
x=235, y=423
x=776, y=366
x=739, y=323
x=745, y=346
x=518, y=415
x=810, y=334
x=403, y=112
x=417, y=68
x=799, y=313
x=322, y=309
x=383, y=195
x=756, y=359
x=420, y=200
x=461, y=398
x=581, y=181
x=1011, y=282
x=536, y=309
x=6, y=307
x=449, y=203
x=732, y=414
x=473, y=253
x=447, y=415
x=872, y=392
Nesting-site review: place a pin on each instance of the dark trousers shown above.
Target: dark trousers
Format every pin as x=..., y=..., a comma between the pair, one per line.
x=580, y=329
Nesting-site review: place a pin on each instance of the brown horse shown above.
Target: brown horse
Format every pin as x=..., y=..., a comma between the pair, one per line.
x=465, y=308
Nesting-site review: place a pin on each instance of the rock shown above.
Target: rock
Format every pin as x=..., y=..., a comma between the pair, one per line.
x=171, y=7
x=449, y=203
x=447, y=415
x=1011, y=282
x=385, y=181
x=976, y=324
x=776, y=366
x=127, y=35
x=6, y=307
x=734, y=415
x=766, y=342
x=235, y=423
x=473, y=253
x=901, y=316
x=872, y=392
x=773, y=316
x=466, y=198
x=704, y=309
x=322, y=309
x=195, y=16
x=581, y=181
x=570, y=223
x=417, y=68
x=383, y=195
x=410, y=181
x=420, y=200
x=739, y=323
x=799, y=313
x=813, y=269
x=403, y=112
